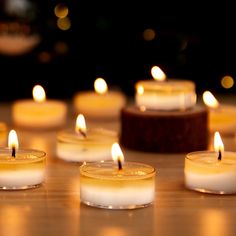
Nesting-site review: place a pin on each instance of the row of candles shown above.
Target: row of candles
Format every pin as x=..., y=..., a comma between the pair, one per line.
x=104, y=183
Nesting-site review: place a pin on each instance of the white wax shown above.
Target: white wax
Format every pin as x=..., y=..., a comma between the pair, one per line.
x=222, y=119
x=205, y=173
x=103, y=185
x=95, y=147
x=117, y=197
x=166, y=95
x=30, y=114
x=94, y=105
x=224, y=182
x=75, y=153
x=21, y=178
x=170, y=102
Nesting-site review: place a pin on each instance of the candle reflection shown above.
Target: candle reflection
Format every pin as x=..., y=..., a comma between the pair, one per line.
x=214, y=222
x=15, y=219
x=114, y=231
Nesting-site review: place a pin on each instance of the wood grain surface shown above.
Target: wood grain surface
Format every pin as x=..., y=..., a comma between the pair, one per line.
x=55, y=209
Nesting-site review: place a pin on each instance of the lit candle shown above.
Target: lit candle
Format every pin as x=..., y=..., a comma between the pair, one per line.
x=221, y=116
x=3, y=133
x=211, y=171
x=162, y=94
x=20, y=168
x=118, y=184
x=85, y=145
x=101, y=103
x=39, y=113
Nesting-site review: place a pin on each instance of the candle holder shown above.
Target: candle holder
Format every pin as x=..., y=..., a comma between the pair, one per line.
x=204, y=172
x=24, y=171
x=102, y=185
x=74, y=147
x=164, y=131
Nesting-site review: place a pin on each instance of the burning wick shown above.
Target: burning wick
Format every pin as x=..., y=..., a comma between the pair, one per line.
x=13, y=153
x=218, y=145
x=81, y=125
x=117, y=155
x=13, y=142
x=119, y=164
x=82, y=133
x=220, y=155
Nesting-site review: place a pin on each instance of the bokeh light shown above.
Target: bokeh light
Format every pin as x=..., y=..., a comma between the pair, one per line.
x=227, y=82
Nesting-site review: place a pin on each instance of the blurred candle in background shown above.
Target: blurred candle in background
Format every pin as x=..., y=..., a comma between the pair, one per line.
x=163, y=94
x=221, y=116
x=39, y=113
x=100, y=103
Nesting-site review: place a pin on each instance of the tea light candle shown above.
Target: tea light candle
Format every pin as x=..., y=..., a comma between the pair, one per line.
x=221, y=116
x=39, y=113
x=20, y=168
x=101, y=103
x=159, y=94
x=117, y=185
x=85, y=145
x=211, y=171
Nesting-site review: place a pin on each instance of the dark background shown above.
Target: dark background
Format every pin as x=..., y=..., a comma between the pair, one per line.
x=192, y=41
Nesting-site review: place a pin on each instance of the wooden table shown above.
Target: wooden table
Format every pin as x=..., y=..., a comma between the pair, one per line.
x=55, y=209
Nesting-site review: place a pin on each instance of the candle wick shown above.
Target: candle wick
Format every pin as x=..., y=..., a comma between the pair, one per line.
x=220, y=155
x=82, y=133
x=119, y=164
x=13, y=153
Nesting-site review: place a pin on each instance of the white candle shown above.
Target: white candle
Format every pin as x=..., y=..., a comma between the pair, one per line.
x=39, y=113
x=85, y=145
x=211, y=171
x=101, y=103
x=124, y=186
x=221, y=116
x=20, y=168
x=164, y=95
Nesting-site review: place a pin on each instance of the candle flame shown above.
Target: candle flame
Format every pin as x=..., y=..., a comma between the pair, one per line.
x=218, y=144
x=13, y=140
x=80, y=126
x=39, y=93
x=100, y=86
x=210, y=100
x=116, y=153
x=158, y=74
x=140, y=89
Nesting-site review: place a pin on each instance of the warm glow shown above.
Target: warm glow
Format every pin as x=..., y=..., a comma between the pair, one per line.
x=116, y=153
x=140, y=90
x=210, y=100
x=213, y=221
x=80, y=126
x=100, y=86
x=61, y=10
x=149, y=34
x=13, y=140
x=63, y=23
x=39, y=93
x=227, y=82
x=218, y=144
x=158, y=74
